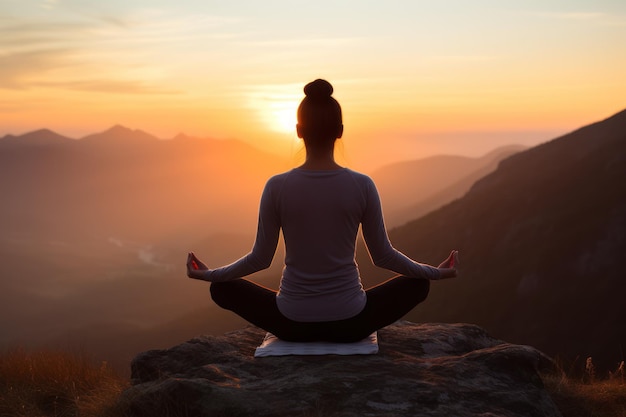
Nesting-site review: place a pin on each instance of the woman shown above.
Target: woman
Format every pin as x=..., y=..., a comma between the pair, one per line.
x=319, y=206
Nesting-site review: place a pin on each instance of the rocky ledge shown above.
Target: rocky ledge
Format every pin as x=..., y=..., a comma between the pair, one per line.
x=420, y=370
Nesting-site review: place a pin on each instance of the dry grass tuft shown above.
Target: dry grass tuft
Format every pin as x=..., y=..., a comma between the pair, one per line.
x=588, y=396
x=60, y=384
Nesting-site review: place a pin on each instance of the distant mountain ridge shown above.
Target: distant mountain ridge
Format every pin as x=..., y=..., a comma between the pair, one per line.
x=411, y=189
x=541, y=242
x=114, y=179
x=95, y=230
x=57, y=169
x=38, y=137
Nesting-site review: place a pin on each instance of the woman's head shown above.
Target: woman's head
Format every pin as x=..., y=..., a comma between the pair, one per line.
x=319, y=115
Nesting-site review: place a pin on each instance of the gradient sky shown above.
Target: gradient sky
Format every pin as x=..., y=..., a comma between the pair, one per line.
x=414, y=77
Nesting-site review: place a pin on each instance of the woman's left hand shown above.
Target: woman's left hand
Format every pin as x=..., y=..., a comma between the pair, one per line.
x=448, y=268
x=196, y=269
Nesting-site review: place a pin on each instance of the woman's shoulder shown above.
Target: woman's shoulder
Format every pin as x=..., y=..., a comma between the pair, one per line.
x=277, y=180
x=296, y=173
x=360, y=177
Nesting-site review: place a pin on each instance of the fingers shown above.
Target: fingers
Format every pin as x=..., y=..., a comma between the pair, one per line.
x=192, y=262
x=453, y=259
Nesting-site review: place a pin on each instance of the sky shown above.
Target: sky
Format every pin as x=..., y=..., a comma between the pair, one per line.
x=414, y=77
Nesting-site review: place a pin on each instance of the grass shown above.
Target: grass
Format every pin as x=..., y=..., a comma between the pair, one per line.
x=585, y=394
x=61, y=384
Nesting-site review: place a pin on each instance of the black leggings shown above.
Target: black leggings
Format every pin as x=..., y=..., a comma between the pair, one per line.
x=386, y=303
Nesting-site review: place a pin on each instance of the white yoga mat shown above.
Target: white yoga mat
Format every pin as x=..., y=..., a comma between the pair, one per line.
x=273, y=346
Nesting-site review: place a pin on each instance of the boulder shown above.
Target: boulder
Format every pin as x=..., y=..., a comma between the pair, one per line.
x=420, y=370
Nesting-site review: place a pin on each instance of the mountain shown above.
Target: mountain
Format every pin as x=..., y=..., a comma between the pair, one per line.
x=119, y=135
x=541, y=241
x=95, y=230
x=127, y=183
x=410, y=189
x=37, y=138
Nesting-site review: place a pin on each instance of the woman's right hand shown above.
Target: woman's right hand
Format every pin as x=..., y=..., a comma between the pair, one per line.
x=448, y=268
x=196, y=269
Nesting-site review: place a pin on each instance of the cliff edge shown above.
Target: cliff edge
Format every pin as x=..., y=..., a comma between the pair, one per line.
x=420, y=370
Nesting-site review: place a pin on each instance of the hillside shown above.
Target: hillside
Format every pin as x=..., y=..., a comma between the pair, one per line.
x=541, y=242
x=411, y=189
x=122, y=183
x=94, y=229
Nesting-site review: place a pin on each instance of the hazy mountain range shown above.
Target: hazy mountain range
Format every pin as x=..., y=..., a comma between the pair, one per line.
x=410, y=189
x=542, y=241
x=95, y=231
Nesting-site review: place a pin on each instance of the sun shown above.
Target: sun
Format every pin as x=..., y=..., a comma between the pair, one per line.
x=282, y=115
x=276, y=106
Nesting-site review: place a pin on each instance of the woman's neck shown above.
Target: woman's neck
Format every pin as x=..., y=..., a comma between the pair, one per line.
x=321, y=160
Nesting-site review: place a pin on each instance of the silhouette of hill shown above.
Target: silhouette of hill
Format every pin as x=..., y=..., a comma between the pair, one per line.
x=95, y=230
x=119, y=135
x=410, y=189
x=42, y=137
x=541, y=242
x=123, y=182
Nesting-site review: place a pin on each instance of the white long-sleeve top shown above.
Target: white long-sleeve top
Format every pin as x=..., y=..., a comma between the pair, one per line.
x=320, y=213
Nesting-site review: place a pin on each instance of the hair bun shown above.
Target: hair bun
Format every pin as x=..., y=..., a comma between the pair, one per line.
x=318, y=89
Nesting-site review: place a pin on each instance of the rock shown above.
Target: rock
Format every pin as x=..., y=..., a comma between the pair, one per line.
x=420, y=370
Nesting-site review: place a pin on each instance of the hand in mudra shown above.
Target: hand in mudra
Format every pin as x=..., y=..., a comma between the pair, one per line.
x=196, y=269
x=448, y=268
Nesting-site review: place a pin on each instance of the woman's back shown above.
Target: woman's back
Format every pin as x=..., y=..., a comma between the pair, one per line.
x=320, y=213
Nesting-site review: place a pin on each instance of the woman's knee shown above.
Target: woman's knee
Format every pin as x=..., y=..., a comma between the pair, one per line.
x=416, y=288
x=221, y=293
x=422, y=289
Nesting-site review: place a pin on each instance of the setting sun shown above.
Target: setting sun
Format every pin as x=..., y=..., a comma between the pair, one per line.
x=283, y=116
x=276, y=106
x=424, y=77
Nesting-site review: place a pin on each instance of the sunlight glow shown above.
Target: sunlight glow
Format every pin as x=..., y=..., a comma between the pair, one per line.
x=277, y=106
x=284, y=115
x=220, y=70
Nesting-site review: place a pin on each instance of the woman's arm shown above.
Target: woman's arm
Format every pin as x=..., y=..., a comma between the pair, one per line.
x=384, y=255
x=259, y=258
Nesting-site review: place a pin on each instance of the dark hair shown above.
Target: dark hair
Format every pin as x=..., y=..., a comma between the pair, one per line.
x=319, y=114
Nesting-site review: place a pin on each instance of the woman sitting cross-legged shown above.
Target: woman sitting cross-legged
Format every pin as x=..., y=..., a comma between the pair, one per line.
x=319, y=206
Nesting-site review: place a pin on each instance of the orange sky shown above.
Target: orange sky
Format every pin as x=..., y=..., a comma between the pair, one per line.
x=413, y=78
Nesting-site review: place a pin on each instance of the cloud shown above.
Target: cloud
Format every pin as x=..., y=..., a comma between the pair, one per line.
x=602, y=18
x=48, y=54
x=135, y=51
x=109, y=86
x=18, y=69
x=577, y=15
x=26, y=36
x=49, y=4
x=303, y=42
x=25, y=70
x=464, y=58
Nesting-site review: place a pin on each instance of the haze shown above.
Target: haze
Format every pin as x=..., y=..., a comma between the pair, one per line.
x=96, y=222
x=423, y=78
